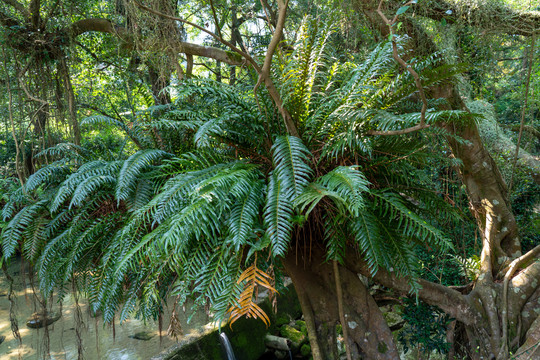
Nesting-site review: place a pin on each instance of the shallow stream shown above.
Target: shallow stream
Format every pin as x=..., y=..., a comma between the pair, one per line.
x=97, y=339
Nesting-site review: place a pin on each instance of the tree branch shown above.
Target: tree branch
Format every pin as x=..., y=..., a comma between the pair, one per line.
x=407, y=67
x=223, y=41
x=274, y=93
x=399, y=132
x=264, y=74
x=531, y=255
x=106, y=26
x=450, y=301
x=487, y=16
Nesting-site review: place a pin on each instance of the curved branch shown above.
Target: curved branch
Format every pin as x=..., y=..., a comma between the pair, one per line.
x=223, y=41
x=263, y=72
x=531, y=255
x=106, y=26
x=450, y=301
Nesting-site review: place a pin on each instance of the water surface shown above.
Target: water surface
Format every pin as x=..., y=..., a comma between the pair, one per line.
x=98, y=340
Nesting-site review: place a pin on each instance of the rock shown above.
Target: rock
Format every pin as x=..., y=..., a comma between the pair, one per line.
x=143, y=335
x=276, y=342
x=42, y=318
x=296, y=337
x=2, y=338
x=282, y=319
x=280, y=354
x=301, y=325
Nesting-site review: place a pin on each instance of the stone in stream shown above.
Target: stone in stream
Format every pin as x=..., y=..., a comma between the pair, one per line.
x=41, y=319
x=143, y=335
x=2, y=338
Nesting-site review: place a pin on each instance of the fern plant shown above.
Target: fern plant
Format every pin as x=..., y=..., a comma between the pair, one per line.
x=191, y=220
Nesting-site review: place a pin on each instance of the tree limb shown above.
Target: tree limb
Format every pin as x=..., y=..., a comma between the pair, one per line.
x=450, y=301
x=223, y=41
x=483, y=15
x=264, y=74
x=106, y=26
x=512, y=268
x=407, y=67
x=291, y=128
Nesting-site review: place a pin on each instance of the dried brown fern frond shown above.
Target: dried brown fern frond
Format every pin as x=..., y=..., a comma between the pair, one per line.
x=246, y=305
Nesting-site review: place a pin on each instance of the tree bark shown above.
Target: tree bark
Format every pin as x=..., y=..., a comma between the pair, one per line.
x=490, y=205
x=369, y=336
x=72, y=105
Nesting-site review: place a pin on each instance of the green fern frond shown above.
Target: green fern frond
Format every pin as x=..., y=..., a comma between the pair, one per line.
x=104, y=120
x=132, y=169
x=278, y=213
x=411, y=225
x=349, y=183
x=290, y=162
x=367, y=234
x=48, y=175
x=244, y=215
x=89, y=186
x=92, y=169
x=65, y=151
x=13, y=232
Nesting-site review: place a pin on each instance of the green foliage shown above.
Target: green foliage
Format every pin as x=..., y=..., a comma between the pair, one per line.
x=426, y=328
x=216, y=180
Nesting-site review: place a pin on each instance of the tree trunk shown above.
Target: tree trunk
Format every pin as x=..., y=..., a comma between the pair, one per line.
x=72, y=105
x=369, y=336
x=503, y=315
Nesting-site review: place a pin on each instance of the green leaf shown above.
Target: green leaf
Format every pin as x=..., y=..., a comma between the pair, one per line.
x=290, y=160
x=402, y=10
x=278, y=214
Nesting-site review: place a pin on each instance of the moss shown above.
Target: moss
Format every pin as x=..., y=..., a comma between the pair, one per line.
x=382, y=347
x=207, y=347
x=292, y=334
x=282, y=319
x=305, y=350
x=287, y=303
x=247, y=338
x=235, y=56
x=339, y=329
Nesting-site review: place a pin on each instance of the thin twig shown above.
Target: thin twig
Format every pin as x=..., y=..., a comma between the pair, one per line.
x=216, y=22
x=522, y=123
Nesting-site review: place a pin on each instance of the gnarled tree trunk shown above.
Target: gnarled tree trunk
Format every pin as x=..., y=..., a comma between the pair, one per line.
x=501, y=312
x=369, y=336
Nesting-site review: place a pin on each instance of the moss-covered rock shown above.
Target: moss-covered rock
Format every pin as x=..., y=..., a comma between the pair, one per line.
x=301, y=325
x=297, y=337
x=246, y=336
x=282, y=319
x=305, y=350
x=292, y=334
